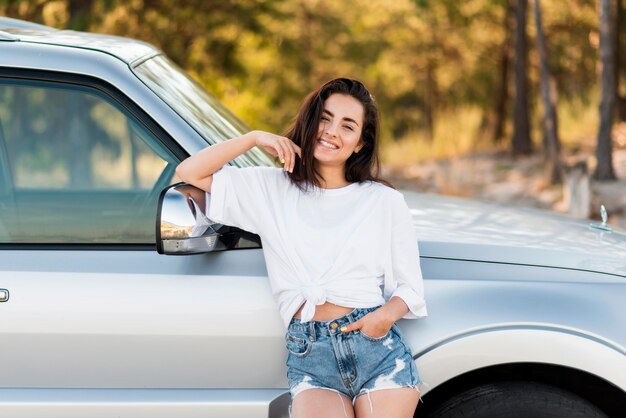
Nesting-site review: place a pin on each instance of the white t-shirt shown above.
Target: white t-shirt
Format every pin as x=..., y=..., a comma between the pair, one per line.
x=353, y=246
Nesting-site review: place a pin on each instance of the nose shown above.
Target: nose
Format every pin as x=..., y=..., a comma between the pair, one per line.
x=331, y=129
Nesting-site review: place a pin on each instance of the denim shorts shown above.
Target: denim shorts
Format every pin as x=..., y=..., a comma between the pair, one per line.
x=350, y=363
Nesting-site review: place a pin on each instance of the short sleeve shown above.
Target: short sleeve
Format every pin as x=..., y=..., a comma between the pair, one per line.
x=240, y=196
x=403, y=274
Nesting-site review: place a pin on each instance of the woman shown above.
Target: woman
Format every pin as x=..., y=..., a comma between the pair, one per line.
x=340, y=251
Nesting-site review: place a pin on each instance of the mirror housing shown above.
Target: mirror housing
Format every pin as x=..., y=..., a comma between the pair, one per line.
x=182, y=226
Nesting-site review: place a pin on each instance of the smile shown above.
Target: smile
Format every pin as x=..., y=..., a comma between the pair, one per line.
x=328, y=144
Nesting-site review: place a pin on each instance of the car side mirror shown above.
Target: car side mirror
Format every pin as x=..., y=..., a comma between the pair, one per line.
x=182, y=226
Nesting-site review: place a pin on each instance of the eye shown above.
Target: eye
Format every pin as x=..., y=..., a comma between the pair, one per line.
x=349, y=127
x=325, y=118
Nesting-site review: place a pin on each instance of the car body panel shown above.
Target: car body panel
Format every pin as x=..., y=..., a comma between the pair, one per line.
x=472, y=230
x=160, y=327
x=141, y=403
x=197, y=310
x=590, y=308
x=522, y=343
x=126, y=50
x=7, y=23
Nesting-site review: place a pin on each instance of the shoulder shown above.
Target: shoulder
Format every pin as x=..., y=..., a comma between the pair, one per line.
x=393, y=203
x=389, y=194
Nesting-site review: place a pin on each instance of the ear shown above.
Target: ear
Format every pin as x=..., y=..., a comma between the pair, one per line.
x=358, y=147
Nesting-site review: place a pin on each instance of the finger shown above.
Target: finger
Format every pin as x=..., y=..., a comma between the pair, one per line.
x=289, y=154
x=286, y=154
x=292, y=153
x=352, y=327
x=279, y=150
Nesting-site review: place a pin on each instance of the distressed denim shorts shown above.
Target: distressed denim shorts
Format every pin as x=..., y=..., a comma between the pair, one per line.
x=352, y=363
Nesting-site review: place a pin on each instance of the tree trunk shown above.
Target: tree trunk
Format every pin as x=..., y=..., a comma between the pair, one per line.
x=521, y=144
x=79, y=12
x=604, y=149
x=616, y=51
x=505, y=60
x=552, y=146
x=620, y=68
x=430, y=99
x=305, y=43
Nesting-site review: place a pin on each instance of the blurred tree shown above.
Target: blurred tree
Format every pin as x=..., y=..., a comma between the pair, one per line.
x=604, y=149
x=620, y=67
x=506, y=50
x=79, y=14
x=200, y=35
x=521, y=143
x=551, y=144
x=429, y=63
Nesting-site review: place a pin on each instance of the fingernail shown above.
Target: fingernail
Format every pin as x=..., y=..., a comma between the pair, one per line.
x=343, y=329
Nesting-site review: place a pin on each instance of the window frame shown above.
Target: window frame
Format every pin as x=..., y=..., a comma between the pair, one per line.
x=122, y=100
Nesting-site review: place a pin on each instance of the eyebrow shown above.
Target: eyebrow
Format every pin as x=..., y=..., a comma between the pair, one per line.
x=346, y=119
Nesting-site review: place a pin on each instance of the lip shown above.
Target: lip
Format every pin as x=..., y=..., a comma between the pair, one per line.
x=330, y=142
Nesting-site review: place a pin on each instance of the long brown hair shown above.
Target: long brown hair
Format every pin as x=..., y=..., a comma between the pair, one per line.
x=361, y=166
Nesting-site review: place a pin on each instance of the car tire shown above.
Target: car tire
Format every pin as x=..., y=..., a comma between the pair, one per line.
x=516, y=400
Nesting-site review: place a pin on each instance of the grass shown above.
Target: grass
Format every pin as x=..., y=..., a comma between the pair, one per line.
x=579, y=122
x=457, y=133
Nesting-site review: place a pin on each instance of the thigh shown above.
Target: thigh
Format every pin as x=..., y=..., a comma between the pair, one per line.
x=314, y=403
x=387, y=403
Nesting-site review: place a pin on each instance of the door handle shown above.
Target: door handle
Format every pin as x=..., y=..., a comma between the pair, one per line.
x=4, y=295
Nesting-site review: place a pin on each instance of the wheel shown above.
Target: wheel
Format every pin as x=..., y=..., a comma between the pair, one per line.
x=516, y=400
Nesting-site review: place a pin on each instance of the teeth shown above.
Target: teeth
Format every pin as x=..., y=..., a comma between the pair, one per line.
x=328, y=144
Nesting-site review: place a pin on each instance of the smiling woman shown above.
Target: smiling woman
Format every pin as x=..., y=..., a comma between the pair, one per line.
x=339, y=132
x=339, y=248
x=343, y=114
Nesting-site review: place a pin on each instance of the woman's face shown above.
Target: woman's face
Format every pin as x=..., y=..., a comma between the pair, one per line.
x=339, y=130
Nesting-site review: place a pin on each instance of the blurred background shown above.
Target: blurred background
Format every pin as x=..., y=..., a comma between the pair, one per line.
x=513, y=101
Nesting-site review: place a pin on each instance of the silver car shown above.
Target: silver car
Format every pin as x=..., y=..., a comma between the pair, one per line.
x=527, y=308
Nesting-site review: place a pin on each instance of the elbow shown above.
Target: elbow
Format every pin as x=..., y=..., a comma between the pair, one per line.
x=187, y=175
x=179, y=171
x=183, y=173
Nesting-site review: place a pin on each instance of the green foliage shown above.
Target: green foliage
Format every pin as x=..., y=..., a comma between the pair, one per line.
x=425, y=61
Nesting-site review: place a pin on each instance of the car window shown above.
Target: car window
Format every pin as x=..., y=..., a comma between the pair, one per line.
x=81, y=168
x=200, y=109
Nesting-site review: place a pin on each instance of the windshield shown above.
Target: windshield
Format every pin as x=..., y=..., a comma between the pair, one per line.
x=200, y=109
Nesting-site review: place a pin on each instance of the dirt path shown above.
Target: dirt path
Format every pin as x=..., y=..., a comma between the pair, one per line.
x=497, y=177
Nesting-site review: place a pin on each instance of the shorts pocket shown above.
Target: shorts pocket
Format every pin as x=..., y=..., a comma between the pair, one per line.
x=298, y=344
x=375, y=339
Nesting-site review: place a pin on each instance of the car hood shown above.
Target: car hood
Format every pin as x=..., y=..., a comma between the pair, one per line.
x=455, y=228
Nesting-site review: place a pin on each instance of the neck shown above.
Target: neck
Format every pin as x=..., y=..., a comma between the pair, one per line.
x=333, y=177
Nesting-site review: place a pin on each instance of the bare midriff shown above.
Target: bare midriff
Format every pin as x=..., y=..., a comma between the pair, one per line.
x=326, y=311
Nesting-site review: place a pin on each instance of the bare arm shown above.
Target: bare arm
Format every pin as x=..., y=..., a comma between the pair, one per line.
x=198, y=169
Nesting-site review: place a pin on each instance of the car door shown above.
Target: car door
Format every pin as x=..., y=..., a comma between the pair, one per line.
x=91, y=304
